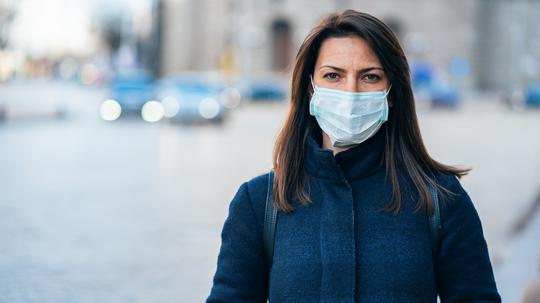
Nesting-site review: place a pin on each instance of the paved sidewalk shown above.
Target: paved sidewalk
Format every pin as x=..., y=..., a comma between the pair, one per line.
x=132, y=212
x=520, y=262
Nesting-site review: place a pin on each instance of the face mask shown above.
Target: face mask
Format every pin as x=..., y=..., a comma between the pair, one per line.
x=348, y=117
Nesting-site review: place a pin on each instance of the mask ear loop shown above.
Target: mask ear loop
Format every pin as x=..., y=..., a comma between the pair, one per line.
x=312, y=83
x=388, y=101
x=388, y=90
x=313, y=87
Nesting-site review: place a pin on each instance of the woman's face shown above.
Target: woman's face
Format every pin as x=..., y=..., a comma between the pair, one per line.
x=349, y=64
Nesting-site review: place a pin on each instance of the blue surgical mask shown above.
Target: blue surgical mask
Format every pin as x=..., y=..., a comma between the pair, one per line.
x=348, y=118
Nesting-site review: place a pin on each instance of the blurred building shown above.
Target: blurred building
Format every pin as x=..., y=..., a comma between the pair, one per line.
x=249, y=37
x=508, y=45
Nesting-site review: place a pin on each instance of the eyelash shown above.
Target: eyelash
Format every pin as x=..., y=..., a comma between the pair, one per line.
x=327, y=76
x=332, y=76
x=377, y=77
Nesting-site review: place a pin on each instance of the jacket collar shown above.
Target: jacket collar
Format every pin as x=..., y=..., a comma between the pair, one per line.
x=355, y=163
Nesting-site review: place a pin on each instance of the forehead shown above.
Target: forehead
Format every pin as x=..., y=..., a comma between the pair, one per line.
x=347, y=52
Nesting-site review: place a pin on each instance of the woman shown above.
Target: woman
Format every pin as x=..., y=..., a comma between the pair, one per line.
x=352, y=184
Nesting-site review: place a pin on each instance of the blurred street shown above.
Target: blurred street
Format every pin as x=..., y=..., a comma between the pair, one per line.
x=128, y=211
x=95, y=211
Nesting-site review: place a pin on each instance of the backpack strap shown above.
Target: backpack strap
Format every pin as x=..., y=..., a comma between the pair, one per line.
x=435, y=225
x=270, y=220
x=271, y=214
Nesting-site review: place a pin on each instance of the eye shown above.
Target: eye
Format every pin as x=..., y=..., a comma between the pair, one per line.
x=331, y=76
x=372, y=78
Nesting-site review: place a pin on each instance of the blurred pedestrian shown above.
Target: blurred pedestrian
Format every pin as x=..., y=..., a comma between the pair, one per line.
x=532, y=291
x=354, y=187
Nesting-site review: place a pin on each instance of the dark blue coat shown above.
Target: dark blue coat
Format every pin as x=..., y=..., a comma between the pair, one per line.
x=344, y=248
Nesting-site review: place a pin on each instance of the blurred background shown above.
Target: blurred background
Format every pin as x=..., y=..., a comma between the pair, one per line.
x=126, y=127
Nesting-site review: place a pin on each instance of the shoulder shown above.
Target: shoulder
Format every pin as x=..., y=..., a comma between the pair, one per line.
x=250, y=199
x=258, y=188
x=248, y=205
x=456, y=204
x=447, y=181
x=254, y=190
x=451, y=188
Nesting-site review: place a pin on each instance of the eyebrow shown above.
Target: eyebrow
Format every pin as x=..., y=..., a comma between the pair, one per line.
x=364, y=70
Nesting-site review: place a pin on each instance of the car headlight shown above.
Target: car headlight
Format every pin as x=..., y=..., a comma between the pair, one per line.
x=110, y=110
x=171, y=106
x=230, y=98
x=152, y=111
x=209, y=108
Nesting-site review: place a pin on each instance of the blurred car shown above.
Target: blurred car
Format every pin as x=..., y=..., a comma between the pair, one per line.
x=196, y=97
x=532, y=96
x=430, y=86
x=444, y=96
x=263, y=89
x=129, y=92
x=438, y=96
x=520, y=99
x=17, y=102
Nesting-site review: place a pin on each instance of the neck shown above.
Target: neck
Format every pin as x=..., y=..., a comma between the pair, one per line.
x=352, y=162
x=326, y=143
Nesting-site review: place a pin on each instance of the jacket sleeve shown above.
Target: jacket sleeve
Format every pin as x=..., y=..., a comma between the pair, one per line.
x=241, y=266
x=464, y=271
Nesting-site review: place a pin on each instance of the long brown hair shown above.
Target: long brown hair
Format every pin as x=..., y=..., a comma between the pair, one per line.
x=404, y=145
